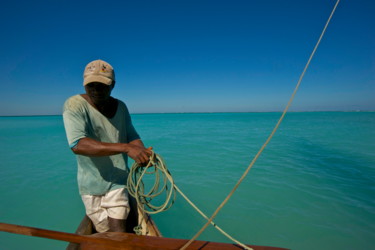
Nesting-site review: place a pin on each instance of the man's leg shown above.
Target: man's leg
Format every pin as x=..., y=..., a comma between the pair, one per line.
x=116, y=225
x=96, y=213
x=116, y=203
x=109, y=212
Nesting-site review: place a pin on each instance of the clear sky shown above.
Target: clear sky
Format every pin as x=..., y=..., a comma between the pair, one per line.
x=189, y=56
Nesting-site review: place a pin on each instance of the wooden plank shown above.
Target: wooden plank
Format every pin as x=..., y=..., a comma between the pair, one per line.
x=37, y=232
x=124, y=241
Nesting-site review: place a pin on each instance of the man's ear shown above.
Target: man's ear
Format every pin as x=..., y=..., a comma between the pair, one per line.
x=113, y=84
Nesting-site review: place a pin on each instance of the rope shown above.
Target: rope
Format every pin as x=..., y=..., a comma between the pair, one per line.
x=268, y=139
x=212, y=222
x=157, y=167
x=136, y=187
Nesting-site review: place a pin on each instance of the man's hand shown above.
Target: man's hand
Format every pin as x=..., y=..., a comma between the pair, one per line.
x=139, y=153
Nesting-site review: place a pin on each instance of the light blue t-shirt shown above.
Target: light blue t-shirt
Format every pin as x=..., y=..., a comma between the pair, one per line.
x=98, y=175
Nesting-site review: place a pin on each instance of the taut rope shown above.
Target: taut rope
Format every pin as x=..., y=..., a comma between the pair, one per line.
x=158, y=167
x=269, y=138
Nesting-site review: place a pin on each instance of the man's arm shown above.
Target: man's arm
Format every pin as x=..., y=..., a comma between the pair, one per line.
x=134, y=149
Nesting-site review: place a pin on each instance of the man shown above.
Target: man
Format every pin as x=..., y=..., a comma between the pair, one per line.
x=100, y=132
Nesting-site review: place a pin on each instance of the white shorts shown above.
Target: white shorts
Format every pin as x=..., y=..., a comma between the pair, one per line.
x=114, y=204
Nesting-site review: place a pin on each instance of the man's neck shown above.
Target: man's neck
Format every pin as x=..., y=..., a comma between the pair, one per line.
x=107, y=107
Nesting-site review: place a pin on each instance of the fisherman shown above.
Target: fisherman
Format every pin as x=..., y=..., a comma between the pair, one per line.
x=101, y=134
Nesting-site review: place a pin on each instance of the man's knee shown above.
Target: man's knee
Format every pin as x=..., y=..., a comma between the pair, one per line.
x=116, y=225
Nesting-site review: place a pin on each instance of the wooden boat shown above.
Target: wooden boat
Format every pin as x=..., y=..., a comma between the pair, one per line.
x=125, y=241
x=151, y=237
x=86, y=238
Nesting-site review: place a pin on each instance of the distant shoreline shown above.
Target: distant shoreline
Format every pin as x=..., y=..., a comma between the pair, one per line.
x=156, y=113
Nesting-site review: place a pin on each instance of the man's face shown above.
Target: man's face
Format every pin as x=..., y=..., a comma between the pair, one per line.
x=98, y=92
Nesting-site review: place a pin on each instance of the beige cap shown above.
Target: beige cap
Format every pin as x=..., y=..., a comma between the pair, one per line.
x=98, y=71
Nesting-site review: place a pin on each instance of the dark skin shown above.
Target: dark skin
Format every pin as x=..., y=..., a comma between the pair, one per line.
x=99, y=96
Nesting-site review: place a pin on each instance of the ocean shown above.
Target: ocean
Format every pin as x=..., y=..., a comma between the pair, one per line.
x=312, y=188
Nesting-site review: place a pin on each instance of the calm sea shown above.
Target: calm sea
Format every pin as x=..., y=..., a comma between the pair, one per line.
x=312, y=188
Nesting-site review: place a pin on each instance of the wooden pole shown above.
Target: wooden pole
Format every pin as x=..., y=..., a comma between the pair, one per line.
x=37, y=232
x=125, y=241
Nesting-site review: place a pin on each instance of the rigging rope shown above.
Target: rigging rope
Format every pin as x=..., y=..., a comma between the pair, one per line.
x=157, y=167
x=269, y=138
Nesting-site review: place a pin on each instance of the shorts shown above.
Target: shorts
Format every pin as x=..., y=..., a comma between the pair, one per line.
x=114, y=204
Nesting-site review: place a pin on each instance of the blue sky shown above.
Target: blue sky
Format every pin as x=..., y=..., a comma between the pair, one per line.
x=189, y=56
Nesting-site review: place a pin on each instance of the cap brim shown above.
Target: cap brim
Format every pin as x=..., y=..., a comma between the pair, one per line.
x=101, y=79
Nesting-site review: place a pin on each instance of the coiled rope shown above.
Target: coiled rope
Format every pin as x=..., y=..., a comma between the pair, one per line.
x=157, y=168
x=163, y=183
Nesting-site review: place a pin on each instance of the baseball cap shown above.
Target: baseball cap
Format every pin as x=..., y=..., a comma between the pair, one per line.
x=98, y=71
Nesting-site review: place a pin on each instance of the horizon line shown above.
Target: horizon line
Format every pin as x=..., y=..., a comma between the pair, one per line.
x=217, y=112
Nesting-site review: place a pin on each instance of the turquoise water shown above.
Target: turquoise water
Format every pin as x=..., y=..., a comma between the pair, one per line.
x=313, y=187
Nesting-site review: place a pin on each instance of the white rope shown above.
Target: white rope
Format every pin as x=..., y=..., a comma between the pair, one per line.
x=269, y=138
x=157, y=167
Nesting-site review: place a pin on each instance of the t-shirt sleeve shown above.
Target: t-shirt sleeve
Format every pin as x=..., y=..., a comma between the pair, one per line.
x=74, y=123
x=131, y=132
